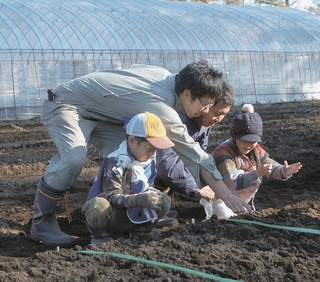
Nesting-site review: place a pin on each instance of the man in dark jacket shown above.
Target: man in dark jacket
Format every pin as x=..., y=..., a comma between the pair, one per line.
x=172, y=172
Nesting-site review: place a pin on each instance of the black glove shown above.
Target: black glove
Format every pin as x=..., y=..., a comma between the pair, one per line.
x=147, y=199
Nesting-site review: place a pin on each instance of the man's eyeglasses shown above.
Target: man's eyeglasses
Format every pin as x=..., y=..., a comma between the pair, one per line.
x=206, y=107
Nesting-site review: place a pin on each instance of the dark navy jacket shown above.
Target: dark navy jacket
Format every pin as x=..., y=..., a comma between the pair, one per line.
x=171, y=169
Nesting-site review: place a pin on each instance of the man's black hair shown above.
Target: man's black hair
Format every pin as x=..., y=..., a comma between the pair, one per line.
x=201, y=79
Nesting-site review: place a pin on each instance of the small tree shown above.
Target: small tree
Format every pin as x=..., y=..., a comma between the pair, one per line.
x=235, y=2
x=314, y=10
x=278, y=3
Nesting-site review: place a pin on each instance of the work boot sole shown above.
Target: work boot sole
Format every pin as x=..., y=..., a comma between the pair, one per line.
x=61, y=240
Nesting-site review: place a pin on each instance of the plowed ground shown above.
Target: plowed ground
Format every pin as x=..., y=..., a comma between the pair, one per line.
x=218, y=248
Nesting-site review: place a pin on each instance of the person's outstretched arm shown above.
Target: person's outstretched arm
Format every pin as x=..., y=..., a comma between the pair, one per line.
x=233, y=202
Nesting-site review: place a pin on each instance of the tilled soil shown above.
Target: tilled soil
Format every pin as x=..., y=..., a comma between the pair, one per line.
x=221, y=250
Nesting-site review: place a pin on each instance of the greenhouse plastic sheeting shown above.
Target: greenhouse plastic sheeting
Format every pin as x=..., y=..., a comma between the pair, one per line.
x=268, y=54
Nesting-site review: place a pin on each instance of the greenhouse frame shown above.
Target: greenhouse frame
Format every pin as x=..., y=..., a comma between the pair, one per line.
x=268, y=54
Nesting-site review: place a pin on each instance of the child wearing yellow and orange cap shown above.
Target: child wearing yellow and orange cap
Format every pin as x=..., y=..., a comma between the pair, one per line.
x=122, y=199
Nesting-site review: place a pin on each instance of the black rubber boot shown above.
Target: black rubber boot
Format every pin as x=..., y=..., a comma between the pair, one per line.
x=98, y=236
x=45, y=226
x=169, y=220
x=99, y=240
x=145, y=232
x=166, y=222
x=172, y=213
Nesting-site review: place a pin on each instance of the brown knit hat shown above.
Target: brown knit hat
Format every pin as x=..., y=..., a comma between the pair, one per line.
x=247, y=125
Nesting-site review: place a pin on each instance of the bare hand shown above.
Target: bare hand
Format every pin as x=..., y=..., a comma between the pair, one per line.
x=236, y=204
x=265, y=170
x=206, y=193
x=291, y=169
x=233, y=202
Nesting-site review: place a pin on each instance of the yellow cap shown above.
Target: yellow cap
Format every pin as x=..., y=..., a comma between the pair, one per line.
x=149, y=126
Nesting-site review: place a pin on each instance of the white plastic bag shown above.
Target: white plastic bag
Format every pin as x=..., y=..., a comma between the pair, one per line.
x=217, y=207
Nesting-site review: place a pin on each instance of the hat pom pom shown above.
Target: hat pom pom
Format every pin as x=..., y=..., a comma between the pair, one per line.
x=247, y=108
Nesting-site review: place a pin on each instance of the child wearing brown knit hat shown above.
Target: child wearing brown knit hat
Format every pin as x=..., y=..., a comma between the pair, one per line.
x=241, y=160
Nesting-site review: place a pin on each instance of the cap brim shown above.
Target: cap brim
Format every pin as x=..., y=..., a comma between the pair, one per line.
x=249, y=138
x=160, y=142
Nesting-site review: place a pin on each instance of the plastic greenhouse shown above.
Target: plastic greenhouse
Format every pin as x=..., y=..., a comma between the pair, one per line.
x=268, y=54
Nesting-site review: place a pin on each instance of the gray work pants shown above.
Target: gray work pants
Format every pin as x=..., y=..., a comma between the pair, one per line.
x=71, y=133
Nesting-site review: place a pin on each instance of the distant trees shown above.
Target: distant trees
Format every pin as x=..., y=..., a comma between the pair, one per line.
x=279, y=3
x=287, y=3
x=314, y=10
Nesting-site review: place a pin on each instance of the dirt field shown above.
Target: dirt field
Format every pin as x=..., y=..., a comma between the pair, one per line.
x=219, y=250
